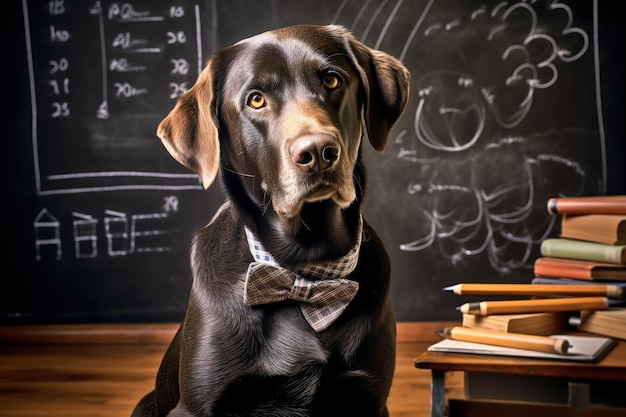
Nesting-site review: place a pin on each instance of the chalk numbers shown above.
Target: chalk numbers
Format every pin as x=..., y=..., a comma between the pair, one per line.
x=176, y=12
x=58, y=81
x=179, y=67
x=133, y=39
x=134, y=49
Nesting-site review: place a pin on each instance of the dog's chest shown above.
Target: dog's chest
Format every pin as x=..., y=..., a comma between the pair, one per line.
x=275, y=337
x=285, y=344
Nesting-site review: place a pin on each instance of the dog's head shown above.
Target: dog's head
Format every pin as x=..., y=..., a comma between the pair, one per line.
x=282, y=113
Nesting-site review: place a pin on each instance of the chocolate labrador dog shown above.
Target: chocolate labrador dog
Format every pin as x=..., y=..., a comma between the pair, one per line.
x=289, y=311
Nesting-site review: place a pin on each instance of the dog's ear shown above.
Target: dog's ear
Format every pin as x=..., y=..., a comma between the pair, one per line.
x=386, y=82
x=189, y=132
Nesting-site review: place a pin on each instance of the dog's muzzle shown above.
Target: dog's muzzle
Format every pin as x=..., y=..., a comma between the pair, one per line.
x=315, y=153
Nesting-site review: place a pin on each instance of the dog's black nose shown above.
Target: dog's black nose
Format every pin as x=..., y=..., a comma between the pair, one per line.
x=315, y=153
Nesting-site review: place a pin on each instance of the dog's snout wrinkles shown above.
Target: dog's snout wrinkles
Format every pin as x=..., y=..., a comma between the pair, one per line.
x=313, y=154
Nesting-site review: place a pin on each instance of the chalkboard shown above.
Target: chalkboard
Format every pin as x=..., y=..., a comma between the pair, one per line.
x=511, y=103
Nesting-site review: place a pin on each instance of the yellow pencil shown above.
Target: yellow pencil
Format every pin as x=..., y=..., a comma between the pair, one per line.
x=534, y=306
x=612, y=291
x=513, y=340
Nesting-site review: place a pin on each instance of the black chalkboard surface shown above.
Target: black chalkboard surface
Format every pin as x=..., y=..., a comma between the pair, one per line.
x=512, y=103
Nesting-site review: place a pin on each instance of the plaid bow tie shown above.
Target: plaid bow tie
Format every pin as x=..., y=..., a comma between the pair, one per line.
x=320, y=289
x=321, y=302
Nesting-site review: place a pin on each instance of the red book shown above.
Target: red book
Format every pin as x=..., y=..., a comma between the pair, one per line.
x=576, y=269
x=602, y=204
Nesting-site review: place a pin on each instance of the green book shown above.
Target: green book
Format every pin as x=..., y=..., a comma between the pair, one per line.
x=583, y=250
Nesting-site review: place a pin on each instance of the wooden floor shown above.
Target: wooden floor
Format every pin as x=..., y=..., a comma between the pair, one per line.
x=108, y=380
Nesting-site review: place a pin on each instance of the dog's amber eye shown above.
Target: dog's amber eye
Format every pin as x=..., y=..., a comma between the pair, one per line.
x=331, y=82
x=256, y=100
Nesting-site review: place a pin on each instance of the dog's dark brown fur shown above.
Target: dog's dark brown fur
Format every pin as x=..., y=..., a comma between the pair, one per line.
x=280, y=116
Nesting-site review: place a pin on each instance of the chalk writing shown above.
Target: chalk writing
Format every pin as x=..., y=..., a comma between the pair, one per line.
x=99, y=92
x=85, y=236
x=47, y=236
x=474, y=159
x=125, y=234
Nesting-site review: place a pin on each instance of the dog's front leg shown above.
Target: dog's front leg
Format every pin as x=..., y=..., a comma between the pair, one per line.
x=207, y=361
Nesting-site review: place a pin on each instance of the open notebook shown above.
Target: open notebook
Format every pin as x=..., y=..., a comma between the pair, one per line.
x=583, y=349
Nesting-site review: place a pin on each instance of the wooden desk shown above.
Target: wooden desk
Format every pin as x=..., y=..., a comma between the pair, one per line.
x=612, y=368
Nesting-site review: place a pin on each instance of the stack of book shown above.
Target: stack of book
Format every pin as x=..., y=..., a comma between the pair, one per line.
x=590, y=250
x=579, y=280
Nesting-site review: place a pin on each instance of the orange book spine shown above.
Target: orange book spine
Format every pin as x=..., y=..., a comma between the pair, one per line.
x=573, y=268
x=562, y=268
x=587, y=205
